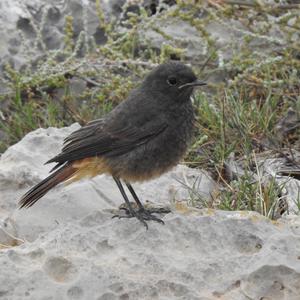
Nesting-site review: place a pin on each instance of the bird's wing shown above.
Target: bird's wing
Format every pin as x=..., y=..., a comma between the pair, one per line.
x=96, y=138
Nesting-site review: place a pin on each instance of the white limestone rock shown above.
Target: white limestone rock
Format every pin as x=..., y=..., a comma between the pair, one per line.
x=73, y=249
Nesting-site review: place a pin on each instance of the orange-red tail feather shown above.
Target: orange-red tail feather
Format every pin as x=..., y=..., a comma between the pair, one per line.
x=39, y=190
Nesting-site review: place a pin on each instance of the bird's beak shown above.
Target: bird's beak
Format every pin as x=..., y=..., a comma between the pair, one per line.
x=193, y=83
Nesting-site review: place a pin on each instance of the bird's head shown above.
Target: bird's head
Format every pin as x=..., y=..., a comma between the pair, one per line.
x=173, y=79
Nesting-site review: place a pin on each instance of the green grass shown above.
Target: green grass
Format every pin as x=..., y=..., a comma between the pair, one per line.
x=234, y=125
x=244, y=193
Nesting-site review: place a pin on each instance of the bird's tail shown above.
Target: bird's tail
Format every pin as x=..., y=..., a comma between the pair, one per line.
x=39, y=190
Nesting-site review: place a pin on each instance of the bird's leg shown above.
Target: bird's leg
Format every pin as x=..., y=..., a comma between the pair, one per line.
x=146, y=211
x=140, y=215
x=135, y=197
x=157, y=210
x=119, y=184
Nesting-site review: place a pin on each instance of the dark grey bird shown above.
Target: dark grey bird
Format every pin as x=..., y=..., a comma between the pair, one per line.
x=143, y=137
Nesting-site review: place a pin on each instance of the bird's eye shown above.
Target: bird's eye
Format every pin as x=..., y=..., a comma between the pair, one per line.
x=172, y=81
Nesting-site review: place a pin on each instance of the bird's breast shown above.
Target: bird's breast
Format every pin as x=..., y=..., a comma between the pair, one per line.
x=158, y=155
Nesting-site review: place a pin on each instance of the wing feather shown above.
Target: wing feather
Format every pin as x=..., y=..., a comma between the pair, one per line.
x=98, y=138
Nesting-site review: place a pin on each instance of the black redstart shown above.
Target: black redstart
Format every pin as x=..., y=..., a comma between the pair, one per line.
x=143, y=137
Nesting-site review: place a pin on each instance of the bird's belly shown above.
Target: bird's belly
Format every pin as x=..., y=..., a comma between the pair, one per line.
x=152, y=159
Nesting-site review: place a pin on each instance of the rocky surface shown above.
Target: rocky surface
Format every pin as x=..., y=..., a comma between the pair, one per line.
x=67, y=246
x=31, y=28
x=197, y=256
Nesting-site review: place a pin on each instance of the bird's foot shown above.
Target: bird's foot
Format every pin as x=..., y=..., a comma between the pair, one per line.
x=142, y=214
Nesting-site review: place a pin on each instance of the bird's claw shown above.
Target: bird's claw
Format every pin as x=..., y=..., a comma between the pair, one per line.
x=142, y=215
